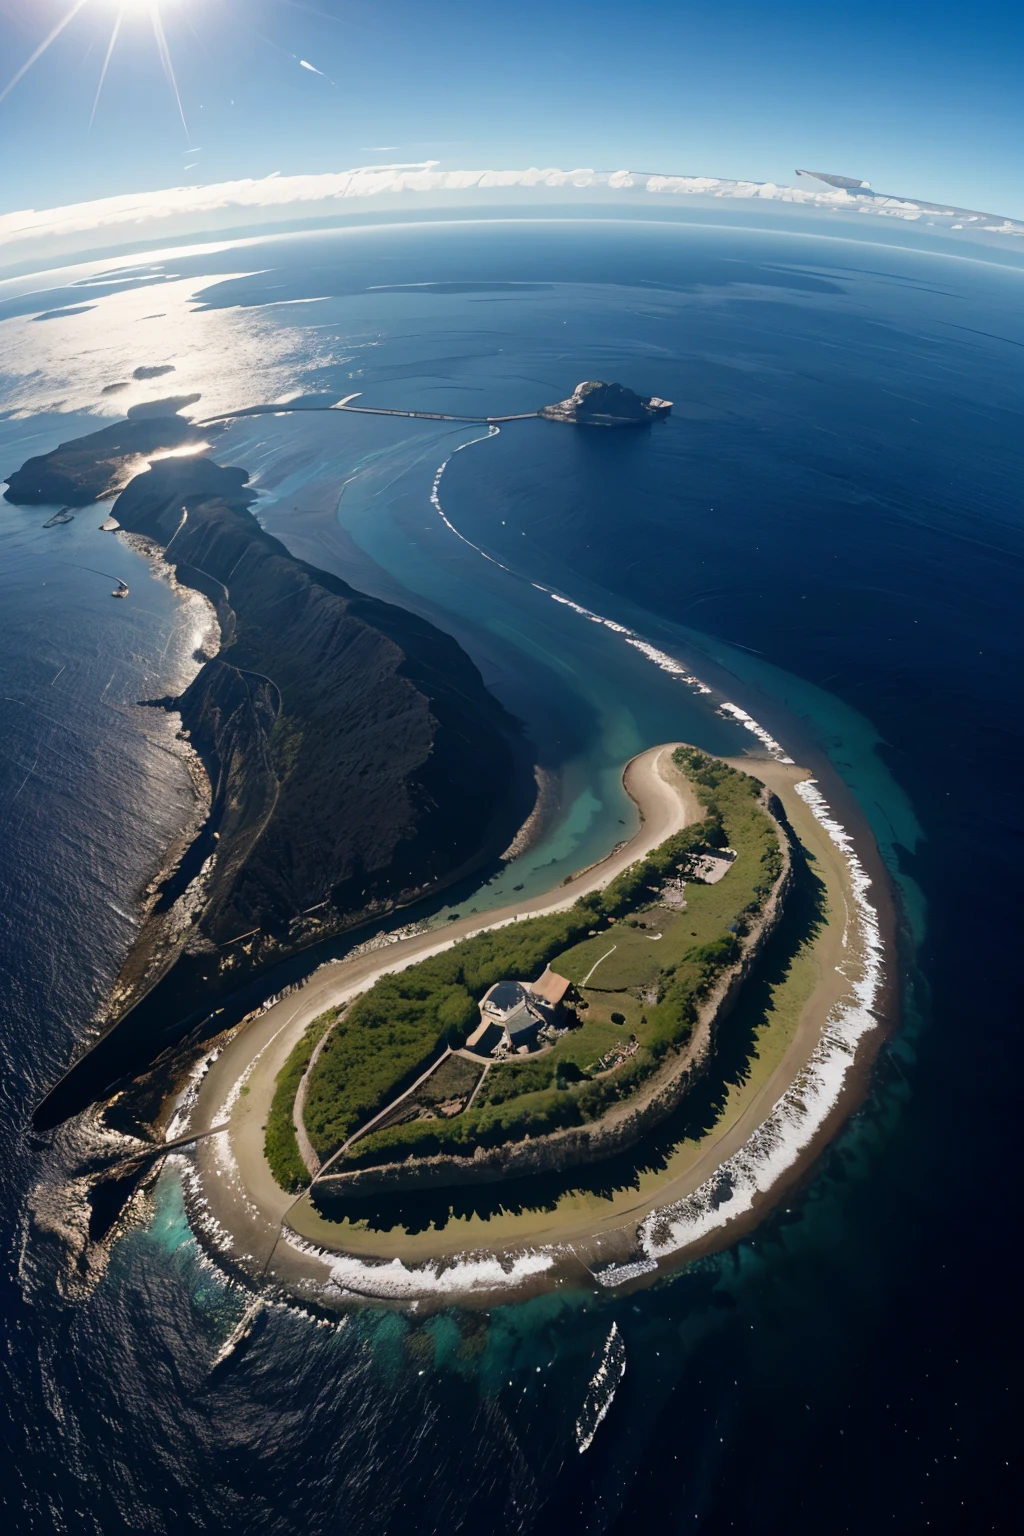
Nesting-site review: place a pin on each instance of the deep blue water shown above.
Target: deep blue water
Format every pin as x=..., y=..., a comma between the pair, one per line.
x=831, y=524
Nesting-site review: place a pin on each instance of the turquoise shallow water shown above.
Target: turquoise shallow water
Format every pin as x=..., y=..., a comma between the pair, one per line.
x=831, y=519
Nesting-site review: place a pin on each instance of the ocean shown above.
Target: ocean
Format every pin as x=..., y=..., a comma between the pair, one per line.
x=828, y=531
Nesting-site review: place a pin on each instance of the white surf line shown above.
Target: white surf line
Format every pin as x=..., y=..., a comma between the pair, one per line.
x=661, y=659
x=395, y=1281
x=793, y=1122
x=802, y=1110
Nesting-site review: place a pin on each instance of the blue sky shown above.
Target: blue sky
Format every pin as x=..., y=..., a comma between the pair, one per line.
x=921, y=100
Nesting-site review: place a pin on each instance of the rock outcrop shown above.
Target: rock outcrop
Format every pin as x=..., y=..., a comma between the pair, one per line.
x=596, y=404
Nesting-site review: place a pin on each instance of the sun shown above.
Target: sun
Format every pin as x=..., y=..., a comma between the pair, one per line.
x=121, y=9
x=148, y=15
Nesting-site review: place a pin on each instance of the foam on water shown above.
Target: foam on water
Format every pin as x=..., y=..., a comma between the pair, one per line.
x=394, y=1281
x=802, y=1110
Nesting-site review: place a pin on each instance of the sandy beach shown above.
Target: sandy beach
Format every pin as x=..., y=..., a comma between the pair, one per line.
x=244, y=1204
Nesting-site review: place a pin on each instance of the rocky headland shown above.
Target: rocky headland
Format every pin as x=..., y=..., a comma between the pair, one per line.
x=97, y=466
x=356, y=759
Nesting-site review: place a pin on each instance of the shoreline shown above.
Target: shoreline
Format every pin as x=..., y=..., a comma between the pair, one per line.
x=232, y=1212
x=622, y=1126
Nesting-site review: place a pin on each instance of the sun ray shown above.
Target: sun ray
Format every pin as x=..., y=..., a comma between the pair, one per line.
x=51, y=37
x=103, y=72
x=165, y=59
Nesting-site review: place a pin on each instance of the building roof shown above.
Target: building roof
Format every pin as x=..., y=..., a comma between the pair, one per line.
x=521, y=1021
x=551, y=987
x=503, y=998
x=486, y=1038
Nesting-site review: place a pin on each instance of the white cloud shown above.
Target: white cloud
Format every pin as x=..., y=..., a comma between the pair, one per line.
x=143, y=215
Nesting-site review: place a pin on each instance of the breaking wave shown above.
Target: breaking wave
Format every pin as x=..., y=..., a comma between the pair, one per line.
x=394, y=1281
x=803, y=1109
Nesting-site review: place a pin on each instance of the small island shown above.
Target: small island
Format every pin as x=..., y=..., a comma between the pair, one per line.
x=596, y=404
x=579, y=1089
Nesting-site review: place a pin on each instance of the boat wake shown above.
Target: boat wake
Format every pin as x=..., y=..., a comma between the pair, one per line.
x=240, y=1334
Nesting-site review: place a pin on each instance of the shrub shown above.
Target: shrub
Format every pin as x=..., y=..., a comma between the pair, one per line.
x=280, y=1144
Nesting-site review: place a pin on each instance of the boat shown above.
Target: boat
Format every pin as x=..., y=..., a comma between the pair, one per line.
x=65, y=515
x=240, y=1334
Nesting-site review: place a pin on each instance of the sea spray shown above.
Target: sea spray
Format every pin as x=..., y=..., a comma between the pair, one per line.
x=394, y=1281
x=799, y=1114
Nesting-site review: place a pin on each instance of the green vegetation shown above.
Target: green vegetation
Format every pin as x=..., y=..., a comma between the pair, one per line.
x=453, y=1079
x=655, y=986
x=394, y=1031
x=281, y=1143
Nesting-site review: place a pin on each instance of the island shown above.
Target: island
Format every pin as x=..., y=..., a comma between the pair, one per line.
x=596, y=404
x=604, y=1052
x=581, y=1090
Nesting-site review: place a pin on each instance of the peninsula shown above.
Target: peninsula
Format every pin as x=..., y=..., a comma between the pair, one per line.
x=355, y=758
x=382, y=1057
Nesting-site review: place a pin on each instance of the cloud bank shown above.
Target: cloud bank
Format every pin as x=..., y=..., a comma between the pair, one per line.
x=142, y=214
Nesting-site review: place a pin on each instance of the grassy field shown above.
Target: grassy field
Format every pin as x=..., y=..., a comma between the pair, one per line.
x=392, y=1033
x=646, y=987
x=637, y=958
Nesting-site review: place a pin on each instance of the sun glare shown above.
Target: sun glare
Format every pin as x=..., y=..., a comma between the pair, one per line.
x=121, y=9
x=111, y=20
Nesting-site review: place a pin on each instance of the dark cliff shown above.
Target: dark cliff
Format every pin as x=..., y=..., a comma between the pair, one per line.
x=91, y=468
x=355, y=757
